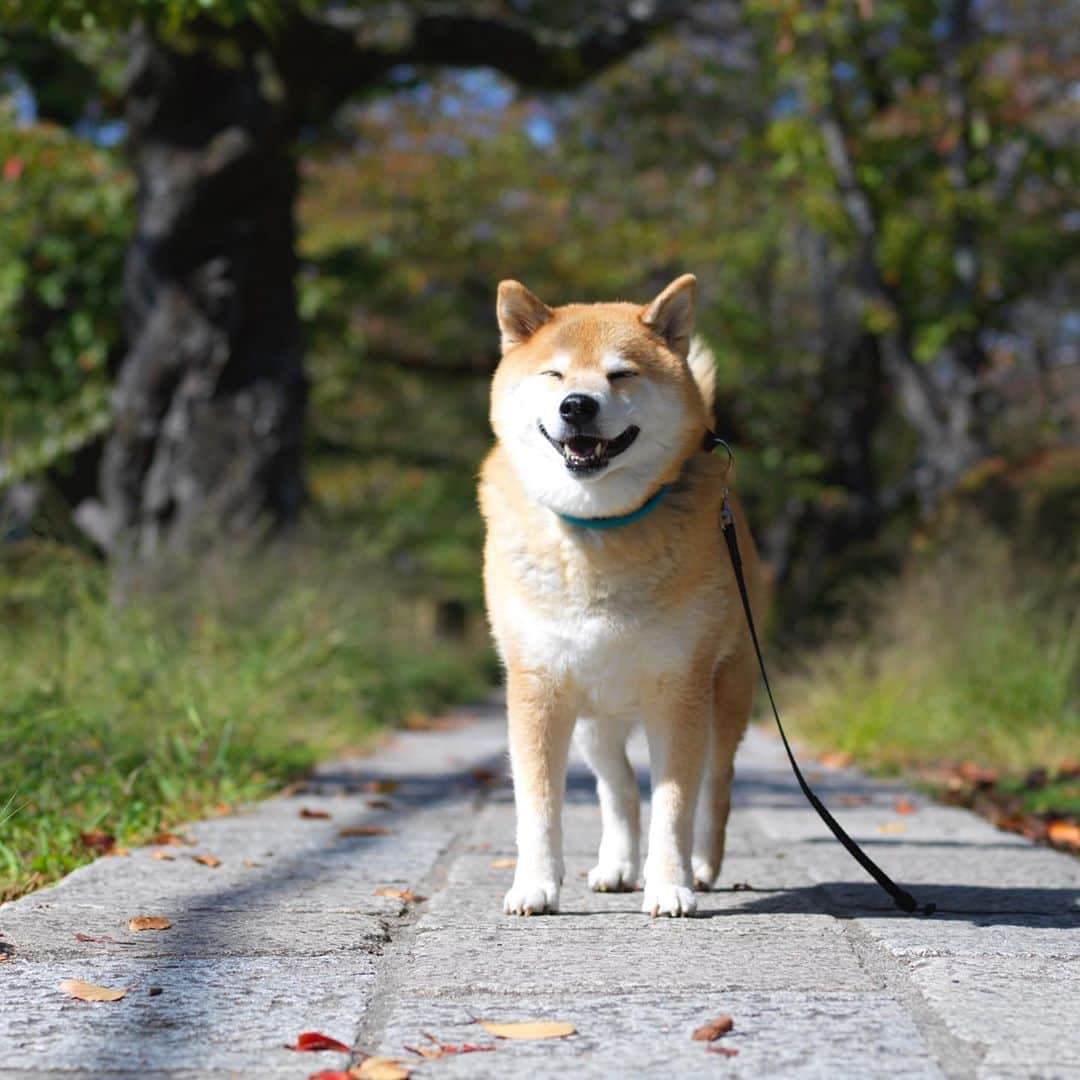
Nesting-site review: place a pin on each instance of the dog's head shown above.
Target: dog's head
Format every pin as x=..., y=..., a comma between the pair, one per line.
x=596, y=403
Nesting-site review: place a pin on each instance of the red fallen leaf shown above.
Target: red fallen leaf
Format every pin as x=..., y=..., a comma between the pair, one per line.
x=13, y=169
x=713, y=1029
x=904, y=806
x=306, y=812
x=168, y=839
x=331, y=1074
x=727, y=1051
x=98, y=840
x=314, y=1040
x=364, y=830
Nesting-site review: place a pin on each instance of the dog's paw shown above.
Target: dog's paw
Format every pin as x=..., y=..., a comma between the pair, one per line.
x=673, y=900
x=613, y=877
x=535, y=897
x=704, y=874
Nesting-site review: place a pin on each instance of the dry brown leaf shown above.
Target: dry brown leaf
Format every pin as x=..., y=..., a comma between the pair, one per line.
x=430, y=1052
x=727, y=1051
x=307, y=812
x=892, y=827
x=529, y=1029
x=149, y=922
x=168, y=839
x=504, y=864
x=207, y=860
x=713, y=1029
x=85, y=991
x=97, y=939
x=98, y=840
x=380, y=1068
x=251, y=864
x=835, y=759
x=381, y=787
x=364, y=830
x=164, y=856
x=1065, y=833
x=400, y=894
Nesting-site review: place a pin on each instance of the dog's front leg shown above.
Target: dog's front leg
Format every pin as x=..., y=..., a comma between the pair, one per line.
x=540, y=726
x=677, y=727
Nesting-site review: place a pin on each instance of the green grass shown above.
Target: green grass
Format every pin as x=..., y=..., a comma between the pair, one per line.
x=132, y=719
x=970, y=657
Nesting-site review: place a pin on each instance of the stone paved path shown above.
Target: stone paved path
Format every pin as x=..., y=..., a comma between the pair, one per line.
x=822, y=976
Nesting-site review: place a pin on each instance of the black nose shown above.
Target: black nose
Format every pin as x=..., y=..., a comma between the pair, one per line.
x=578, y=408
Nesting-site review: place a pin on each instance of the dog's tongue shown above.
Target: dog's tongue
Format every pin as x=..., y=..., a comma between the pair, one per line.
x=582, y=445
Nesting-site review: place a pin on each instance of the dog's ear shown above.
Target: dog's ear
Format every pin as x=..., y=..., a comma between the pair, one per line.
x=671, y=314
x=520, y=313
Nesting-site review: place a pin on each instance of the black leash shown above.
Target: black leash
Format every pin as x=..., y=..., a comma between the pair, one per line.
x=900, y=897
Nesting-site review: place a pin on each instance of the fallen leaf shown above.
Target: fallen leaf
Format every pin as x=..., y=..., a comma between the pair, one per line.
x=430, y=1052
x=331, y=1074
x=164, y=856
x=118, y=851
x=381, y=787
x=904, y=806
x=364, y=830
x=727, y=1051
x=379, y=804
x=250, y=864
x=713, y=1029
x=1065, y=833
x=835, y=759
x=742, y=886
x=483, y=776
x=222, y=808
x=168, y=839
x=400, y=894
x=505, y=864
x=85, y=991
x=379, y=1068
x=853, y=800
x=98, y=840
x=97, y=939
x=207, y=860
x=529, y=1029
x=149, y=922
x=315, y=1040
x=308, y=813
x=892, y=827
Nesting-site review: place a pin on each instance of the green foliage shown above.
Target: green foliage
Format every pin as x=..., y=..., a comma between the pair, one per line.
x=972, y=656
x=65, y=215
x=135, y=719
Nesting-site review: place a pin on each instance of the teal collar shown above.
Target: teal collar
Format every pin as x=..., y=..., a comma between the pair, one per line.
x=646, y=507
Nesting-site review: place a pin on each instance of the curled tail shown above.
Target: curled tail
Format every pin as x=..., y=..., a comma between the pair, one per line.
x=703, y=368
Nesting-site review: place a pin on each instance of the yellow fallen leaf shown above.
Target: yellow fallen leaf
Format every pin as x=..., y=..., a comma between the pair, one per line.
x=529, y=1029
x=85, y=991
x=892, y=827
x=379, y=1068
x=149, y=922
x=504, y=864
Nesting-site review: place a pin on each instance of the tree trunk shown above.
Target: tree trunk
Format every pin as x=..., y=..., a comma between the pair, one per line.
x=209, y=401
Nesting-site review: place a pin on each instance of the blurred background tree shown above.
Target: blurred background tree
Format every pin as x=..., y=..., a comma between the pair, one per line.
x=249, y=253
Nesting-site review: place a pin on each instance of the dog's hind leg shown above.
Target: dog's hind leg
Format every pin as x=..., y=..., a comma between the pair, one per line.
x=604, y=748
x=733, y=698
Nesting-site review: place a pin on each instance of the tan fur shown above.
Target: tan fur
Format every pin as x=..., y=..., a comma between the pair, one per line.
x=667, y=575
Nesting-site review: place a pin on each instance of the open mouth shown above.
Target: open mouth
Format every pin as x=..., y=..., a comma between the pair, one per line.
x=587, y=453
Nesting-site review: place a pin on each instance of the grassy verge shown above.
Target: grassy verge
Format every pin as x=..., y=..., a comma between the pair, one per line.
x=129, y=720
x=964, y=675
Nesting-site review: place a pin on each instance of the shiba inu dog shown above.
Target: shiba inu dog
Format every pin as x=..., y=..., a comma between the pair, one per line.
x=609, y=589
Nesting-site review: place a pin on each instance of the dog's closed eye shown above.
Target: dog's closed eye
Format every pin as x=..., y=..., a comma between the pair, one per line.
x=627, y=374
